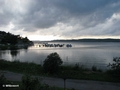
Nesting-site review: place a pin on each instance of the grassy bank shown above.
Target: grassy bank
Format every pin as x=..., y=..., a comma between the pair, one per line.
x=21, y=67
x=72, y=72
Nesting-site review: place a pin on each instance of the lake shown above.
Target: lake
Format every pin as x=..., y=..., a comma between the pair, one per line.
x=99, y=54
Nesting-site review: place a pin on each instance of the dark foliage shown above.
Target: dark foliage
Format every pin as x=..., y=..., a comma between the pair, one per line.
x=94, y=68
x=3, y=82
x=52, y=63
x=76, y=67
x=30, y=83
x=6, y=38
x=115, y=67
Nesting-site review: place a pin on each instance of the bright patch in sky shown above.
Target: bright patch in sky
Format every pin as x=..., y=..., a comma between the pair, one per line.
x=42, y=38
x=10, y=26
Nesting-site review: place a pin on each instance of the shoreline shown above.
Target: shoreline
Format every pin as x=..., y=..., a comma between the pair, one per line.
x=71, y=72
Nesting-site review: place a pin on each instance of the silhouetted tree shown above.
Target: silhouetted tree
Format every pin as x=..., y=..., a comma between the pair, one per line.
x=52, y=63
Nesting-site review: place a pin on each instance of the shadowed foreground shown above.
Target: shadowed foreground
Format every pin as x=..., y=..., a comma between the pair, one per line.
x=70, y=83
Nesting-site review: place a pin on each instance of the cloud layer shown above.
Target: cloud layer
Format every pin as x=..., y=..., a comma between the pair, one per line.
x=61, y=18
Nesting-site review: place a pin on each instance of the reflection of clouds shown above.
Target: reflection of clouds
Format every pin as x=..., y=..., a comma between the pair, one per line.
x=35, y=56
x=6, y=55
x=0, y=55
x=99, y=57
x=89, y=57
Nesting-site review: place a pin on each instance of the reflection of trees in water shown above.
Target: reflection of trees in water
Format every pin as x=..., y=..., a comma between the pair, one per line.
x=0, y=55
x=25, y=50
x=14, y=53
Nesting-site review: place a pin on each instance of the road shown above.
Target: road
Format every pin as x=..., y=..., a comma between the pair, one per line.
x=70, y=83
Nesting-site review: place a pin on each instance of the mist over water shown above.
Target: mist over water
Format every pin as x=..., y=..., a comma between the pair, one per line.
x=99, y=54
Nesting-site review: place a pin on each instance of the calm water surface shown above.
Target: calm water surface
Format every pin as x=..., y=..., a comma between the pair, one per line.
x=85, y=53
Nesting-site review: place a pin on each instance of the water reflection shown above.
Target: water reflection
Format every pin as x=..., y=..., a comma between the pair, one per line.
x=87, y=54
x=0, y=54
x=4, y=54
x=14, y=53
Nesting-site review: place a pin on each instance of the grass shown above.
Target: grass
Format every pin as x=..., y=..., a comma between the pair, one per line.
x=87, y=74
x=71, y=72
x=21, y=67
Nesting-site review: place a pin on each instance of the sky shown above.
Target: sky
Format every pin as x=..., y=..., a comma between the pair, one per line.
x=61, y=19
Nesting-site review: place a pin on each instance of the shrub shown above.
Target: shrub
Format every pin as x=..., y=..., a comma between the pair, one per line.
x=52, y=63
x=115, y=67
x=3, y=81
x=76, y=66
x=94, y=68
x=30, y=83
x=116, y=64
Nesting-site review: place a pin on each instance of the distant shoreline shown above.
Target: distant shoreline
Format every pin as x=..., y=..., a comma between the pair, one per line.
x=82, y=40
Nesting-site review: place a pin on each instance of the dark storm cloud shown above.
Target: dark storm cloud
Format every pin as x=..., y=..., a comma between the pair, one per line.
x=5, y=15
x=78, y=17
x=80, y=6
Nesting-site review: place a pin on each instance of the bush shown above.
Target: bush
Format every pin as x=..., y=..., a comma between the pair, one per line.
x=116, y=64
x=94, y=68
x=30, y=83
x=3, y=81
x=115, y=67
x=52, y=63
x=76, y=66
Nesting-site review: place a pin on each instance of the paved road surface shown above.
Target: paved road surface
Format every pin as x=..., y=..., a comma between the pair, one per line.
x=70, y=83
